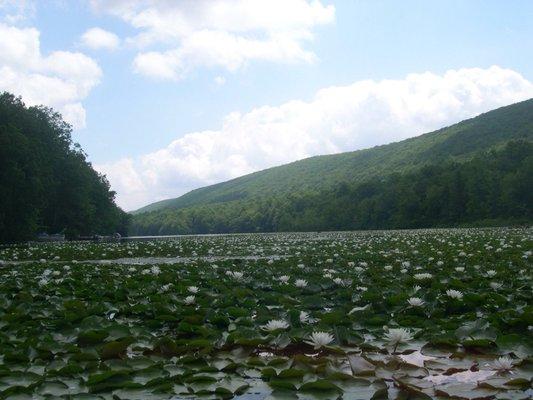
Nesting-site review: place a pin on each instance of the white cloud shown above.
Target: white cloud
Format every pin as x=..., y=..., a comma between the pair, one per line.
x=218, y=33
x=98, y=38
x=220, y=80
x=60, y=80
x=15, y=11
x=127, y=182
x=340, y=118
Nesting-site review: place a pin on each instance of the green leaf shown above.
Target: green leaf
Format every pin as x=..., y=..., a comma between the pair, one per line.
x=320, y=385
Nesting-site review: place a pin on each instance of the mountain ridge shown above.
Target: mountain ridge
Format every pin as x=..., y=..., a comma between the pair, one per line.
x=456, y=142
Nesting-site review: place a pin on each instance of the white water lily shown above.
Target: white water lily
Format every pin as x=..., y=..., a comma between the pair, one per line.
x=397, y=336
x=415, y=302
x=422, y=276
x=235, y=275
x=189, y=300
x=454, y=294
x=284, y=278
x=319, y=339
x=192, y=289
x=491, y=273
x=275, y=324
x=496, y=285
x=305, y=318
x=503, y=364
x=301, y=283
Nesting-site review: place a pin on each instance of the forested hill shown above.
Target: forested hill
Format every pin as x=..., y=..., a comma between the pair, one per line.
x=457, y=142
x=46, y=183
x=439, y=174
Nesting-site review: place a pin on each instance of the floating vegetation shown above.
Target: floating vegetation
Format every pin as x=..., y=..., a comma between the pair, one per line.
x=354, y=315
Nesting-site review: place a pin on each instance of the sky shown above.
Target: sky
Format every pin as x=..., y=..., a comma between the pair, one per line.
x=166, y=96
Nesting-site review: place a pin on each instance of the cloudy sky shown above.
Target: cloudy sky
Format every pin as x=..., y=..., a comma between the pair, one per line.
x=169, y=95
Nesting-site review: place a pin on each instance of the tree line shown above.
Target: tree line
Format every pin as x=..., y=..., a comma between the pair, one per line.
x=46, y=182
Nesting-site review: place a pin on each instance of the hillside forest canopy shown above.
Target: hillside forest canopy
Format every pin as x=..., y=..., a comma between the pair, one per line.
x=493, y=188
x=46, y=182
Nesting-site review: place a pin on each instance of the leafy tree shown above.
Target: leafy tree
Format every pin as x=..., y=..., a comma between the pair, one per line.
x=46, y=182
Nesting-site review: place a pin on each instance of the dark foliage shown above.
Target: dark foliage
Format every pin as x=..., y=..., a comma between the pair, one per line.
x=46, y=183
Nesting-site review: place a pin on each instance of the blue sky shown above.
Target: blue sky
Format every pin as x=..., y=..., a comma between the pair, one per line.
x=167, y=96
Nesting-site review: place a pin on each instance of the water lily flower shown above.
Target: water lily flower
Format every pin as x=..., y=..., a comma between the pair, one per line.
x=284, y=278
x=454, y=294
x=397, y=336
x=503, y=364
x=192, y=289
x=415, y=302
x=275, y=324
x=319, y=339
x=235, y=274
x=189, y=300
x=496, y=285
x=301, y=283
x=305, y=318
x=422, y=276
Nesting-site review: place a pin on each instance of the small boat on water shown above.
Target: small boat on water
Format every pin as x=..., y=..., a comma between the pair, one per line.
x=101, y=238
x=54, y=237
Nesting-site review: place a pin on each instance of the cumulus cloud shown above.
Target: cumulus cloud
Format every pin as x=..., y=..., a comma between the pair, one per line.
x=336, y=119
x=60, y=79
x=218, y=33
x=98, y=38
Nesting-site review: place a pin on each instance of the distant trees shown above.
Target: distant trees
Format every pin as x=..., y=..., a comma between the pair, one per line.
x=493, y=187
x=46, y=183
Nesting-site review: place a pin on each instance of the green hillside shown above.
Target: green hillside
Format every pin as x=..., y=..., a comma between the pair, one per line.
x=323, y=174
